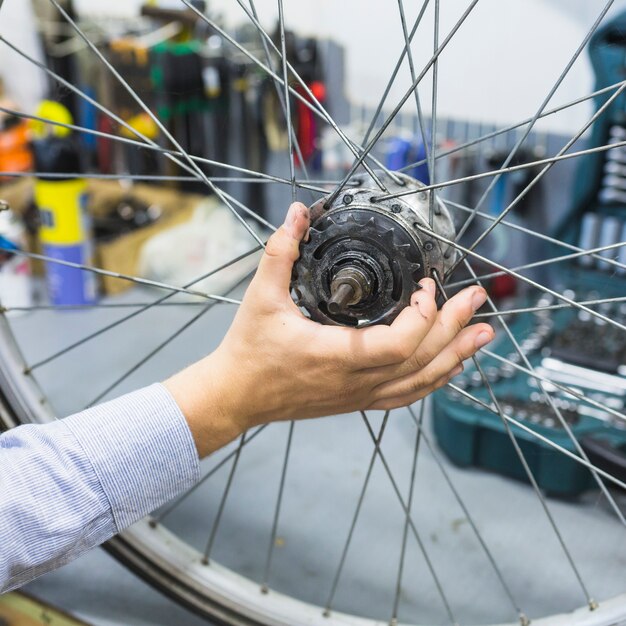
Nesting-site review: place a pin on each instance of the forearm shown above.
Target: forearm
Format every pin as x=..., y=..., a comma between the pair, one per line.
x=72, y=484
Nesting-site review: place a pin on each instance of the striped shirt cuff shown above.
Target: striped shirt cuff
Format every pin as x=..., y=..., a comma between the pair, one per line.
x=141, y=450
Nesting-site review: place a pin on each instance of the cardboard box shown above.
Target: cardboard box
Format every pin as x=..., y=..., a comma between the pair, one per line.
x=120, y=254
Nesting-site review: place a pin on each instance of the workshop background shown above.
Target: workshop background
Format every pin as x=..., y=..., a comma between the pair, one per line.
x=148, y=218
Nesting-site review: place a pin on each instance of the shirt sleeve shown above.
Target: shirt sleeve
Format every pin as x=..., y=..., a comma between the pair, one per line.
x=70, y=485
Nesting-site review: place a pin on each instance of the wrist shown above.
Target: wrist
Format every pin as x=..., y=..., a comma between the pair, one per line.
x=202, y=397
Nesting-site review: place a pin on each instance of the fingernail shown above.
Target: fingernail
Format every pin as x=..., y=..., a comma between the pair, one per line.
x=291, y=219
x=483, y=339
x=478, y=299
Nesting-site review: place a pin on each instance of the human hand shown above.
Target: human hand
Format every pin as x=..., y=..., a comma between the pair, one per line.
x=276, y=364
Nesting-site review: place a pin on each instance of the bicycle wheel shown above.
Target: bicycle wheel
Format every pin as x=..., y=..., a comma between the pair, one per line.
x=324, y=522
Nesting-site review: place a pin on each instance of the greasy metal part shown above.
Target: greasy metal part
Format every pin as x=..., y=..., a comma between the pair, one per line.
x=349, y=286
x=365, y=256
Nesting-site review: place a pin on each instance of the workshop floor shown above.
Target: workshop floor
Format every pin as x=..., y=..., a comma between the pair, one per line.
x=328, y=463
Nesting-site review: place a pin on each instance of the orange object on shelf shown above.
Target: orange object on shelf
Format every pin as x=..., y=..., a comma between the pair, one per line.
x=15, y=154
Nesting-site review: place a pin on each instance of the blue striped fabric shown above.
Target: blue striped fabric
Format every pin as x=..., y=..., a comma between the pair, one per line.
x=68, y=486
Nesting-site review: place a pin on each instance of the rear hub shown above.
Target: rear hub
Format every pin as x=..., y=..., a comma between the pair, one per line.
x=365, y=255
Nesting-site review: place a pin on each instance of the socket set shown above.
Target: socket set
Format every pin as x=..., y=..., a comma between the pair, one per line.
x=568, y=349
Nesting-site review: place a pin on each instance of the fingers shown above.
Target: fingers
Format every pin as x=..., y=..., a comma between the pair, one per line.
x=454, y=315
x=396, y=402
x=378, y=346
x=462, y=347
x=281, y=252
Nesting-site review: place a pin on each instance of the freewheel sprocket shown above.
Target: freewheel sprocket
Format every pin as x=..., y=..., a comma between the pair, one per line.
x=365, y=254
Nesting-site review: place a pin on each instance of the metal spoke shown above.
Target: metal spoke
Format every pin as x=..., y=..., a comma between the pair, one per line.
x=418, y=104
x=522, y=458
x=433, y=120
x=512, y=168
x=550, y=307
x=542, y=263
x=164, y=178
x=355, y=517
x=283, y=102
x=534, y=233
x=207, y=307
x=530, y=126
x=173, y=291
x=408, y=38
x=283, y=49
x=134, y=279
x=220, y=511
x=310, y=185
x=409, y=504
x=95, y=305
x=550, y=400
x=178, y=501
x=507, y=590
x=414, y=530
x=400, y=104
x=521, y=277
x=506, y=129
x=279, y=501
x=131, y=92
x=575, y=393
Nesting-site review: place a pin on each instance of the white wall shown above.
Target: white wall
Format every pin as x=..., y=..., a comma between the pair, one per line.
x=498, y=68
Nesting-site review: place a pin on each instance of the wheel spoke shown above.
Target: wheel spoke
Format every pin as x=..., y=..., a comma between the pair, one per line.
x=178, y=501
x=534, y=233
x=129, y=372
x=506, y=129
x=548, y=162
x=173, y=291
x=575, y=393
x=543, y=263
x=507, y=590
x=408, y=38
x=279, y=501
x=368, y=148
x=409, y=53
x=220, y=511
x=531, y=477
x=521, y=277
x=546, y=440
x=283, y=50
x=409, y=505
x=314, y=105
x=283, y=100
x=548, y=307
x=601, y=110
x=148, y=142
x=433, y=119
x=257, y=177
x=416, y=534
x=355, y=517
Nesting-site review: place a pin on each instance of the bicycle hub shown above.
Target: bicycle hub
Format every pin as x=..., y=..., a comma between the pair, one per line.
x=366, y=253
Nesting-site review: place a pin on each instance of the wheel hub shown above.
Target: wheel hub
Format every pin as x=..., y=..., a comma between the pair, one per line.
x=365, y=255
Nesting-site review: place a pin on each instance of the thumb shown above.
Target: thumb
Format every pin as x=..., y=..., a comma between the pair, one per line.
x=282, y=250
